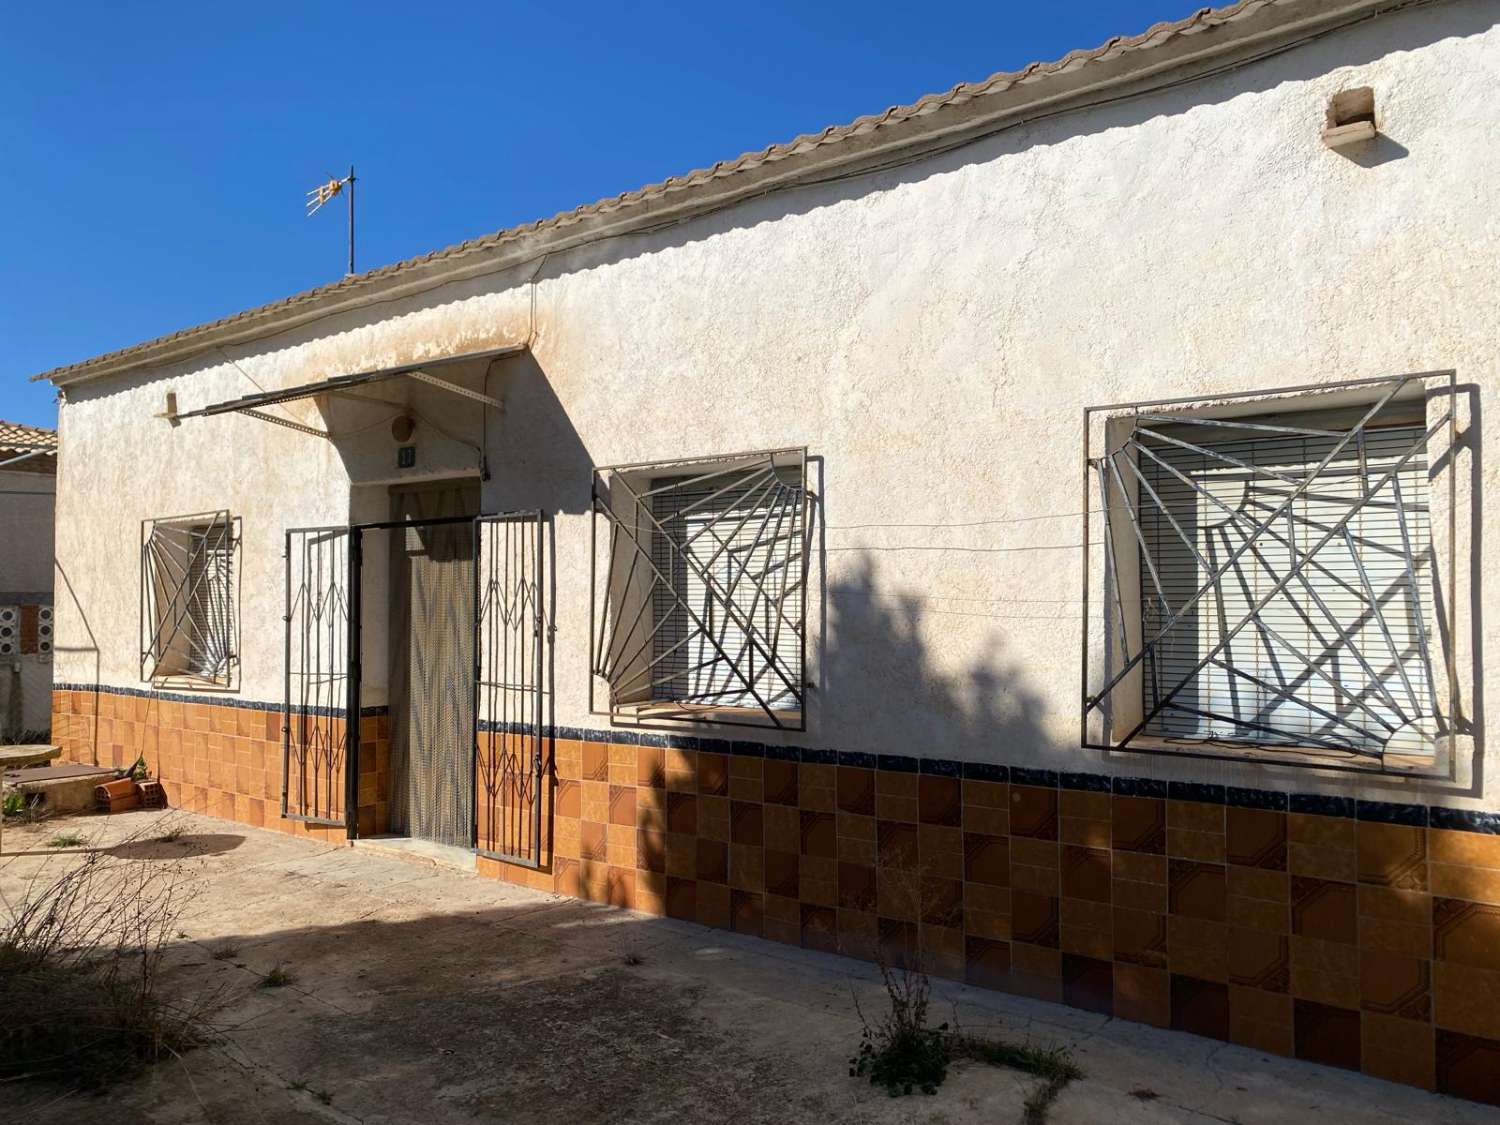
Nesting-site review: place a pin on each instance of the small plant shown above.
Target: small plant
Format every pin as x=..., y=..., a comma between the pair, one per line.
x=323, y=1096
x=171, y=836
x=276, y=978
x=900, y=1052
x=633, y=958
x=15, y=804
x=65, y=840
x=1144, y=1093
x=1054, y=1065
x=226, y=952
x=297, y=1086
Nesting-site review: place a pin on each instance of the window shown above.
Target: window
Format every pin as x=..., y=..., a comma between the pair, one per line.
x=1268, y=579
x=700, y=611
x=189, y=596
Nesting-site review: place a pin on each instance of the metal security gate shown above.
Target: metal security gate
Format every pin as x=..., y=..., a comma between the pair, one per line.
x=511, y=650
x=319, y=684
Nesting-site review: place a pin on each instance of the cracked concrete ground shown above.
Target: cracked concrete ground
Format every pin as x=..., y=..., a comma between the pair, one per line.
x=424, y=994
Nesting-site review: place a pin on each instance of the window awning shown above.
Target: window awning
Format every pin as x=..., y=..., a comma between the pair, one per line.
x=253, y=404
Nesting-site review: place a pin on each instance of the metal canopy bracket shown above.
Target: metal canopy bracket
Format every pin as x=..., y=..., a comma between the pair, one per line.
x=254, y=405
x=1318, y=567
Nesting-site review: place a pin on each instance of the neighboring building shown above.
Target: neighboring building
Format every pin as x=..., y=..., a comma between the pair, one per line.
x=28, y=484
x=1096, y=614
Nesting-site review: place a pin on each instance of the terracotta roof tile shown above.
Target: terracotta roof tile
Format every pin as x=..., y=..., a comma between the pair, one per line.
x=19, y=437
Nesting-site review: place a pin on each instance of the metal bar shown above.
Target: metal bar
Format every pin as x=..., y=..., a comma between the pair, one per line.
x=443, y=384
x=1233, y=424
x=299, y=427
x=1235, y=557
x=718, y=458
x=1282, y=582
x=354, y=675
x=1414, y=597
x=1385, y=630
x=539, y=643
x=1300, y=388
x=27, y=456
x=1314, y=739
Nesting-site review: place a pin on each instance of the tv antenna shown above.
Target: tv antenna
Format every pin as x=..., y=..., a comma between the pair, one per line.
x=324, y=193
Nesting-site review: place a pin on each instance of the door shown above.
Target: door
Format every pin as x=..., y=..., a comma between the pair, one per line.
x=432, y=582
x=512, y=672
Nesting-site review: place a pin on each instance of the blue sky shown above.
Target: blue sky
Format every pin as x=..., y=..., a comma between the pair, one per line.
x=153, y=158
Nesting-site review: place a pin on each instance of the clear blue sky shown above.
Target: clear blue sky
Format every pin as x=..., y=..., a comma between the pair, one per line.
x=153, y=158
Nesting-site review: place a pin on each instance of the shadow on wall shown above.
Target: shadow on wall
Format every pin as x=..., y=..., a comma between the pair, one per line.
x=879, y=676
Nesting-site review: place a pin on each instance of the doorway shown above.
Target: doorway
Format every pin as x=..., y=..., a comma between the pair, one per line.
x=431, y=653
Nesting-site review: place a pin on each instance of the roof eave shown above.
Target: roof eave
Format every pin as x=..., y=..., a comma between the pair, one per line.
x=1195, y=47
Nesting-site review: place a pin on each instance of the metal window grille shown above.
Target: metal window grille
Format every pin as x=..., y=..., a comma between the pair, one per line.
x=700, y=611
x=189, y=599
x=1283, y=567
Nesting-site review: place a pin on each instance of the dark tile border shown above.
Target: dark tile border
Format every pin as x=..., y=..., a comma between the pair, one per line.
x=1314, y=804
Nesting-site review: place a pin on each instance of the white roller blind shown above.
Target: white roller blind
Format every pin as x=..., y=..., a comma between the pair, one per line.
x=746, y=543
x=1351, y=673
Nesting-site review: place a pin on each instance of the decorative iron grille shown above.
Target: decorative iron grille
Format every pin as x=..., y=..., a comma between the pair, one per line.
x=189, y=599
x=1269, y=582
x=315, y=735
x=699, y=611
x=510, y=688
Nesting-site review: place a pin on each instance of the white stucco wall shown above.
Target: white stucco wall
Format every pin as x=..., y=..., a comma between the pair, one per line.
x=933, y=335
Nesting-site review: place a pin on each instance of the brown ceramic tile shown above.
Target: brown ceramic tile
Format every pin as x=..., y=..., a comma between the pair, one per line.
x=1086, y=928
x=819, y=880
x=859, y=934
x=650, y=767
x=1140, y=937
x=651, y=850
x=745, y=823
x=713, y=861
x=1397, y=1050
x=783, y=873
x=1198, y=947
x=898, y=893
x=1200, y=1006
x=1034, y=919
x=1085, y=873
x=1033, y=812
x=856, y=790
x=780, y=781
x=682, y=813
x=819, y=834
x=682, y=899
x=1392, y=855
x=1260, y=1020
x=856, y=887
x=747, y=867
x=565, y=798
x=593, y=841
x=1139, y=824
x=1465, y=849
x=713, y=905
x=1327, y=1035
x=783, y=827
x=1143, y=994
x=816, y=786
x=986, y=807
x=747, y=913
x=713, y=775
x=1325, y=971
x=1466, y=999
x=682, y=855
x=1035, y=971
x=1259, y=960
x=987, y=859
x=1468, y=1066
x=1467, y=933
x=1322, y=847
x=1325, y=910
x=1088, y=983
x=1394, y=985
x=942, y=901
x=940, y=800
x=1395, y=921
x=987, y=962
x=819, y=928
x=899, y=943
x=896, y=844
x=595, y=761
x=1476, y=884
x=1197, y=890
x=941, y=851
x=622, y=805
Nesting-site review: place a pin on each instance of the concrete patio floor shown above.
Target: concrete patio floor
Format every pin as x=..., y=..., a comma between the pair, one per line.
x=421, y=993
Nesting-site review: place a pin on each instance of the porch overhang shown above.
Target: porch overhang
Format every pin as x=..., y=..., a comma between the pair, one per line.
x=255, y=404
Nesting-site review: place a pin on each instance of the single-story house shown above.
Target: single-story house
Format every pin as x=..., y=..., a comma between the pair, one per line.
x=1035, y=532
x=28, y=481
